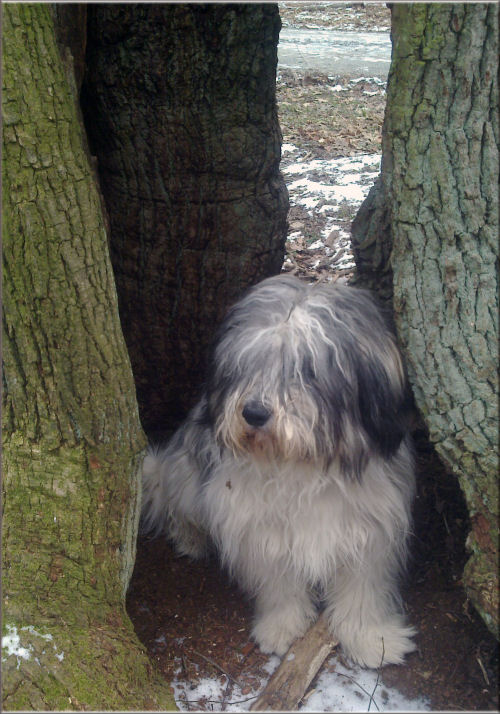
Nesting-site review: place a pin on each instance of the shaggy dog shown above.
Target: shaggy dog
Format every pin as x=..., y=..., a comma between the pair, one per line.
x=296, y=463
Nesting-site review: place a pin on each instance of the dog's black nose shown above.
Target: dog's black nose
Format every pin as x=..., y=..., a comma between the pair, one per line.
x=255, y=414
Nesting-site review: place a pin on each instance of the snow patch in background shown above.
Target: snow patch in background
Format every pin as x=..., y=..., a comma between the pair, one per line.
x=346, y=179
x=330, y=189
x=319, y=49
x=336, y=180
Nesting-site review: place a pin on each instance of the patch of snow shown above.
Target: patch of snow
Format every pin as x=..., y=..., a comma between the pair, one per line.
x=342, y=181
x=11, y=645
x=32, y=631
x=272, y=664
x=355, y=690
x=216, y=695
x=369, y=80
x=331, y=225
x=331, y=191
x=308, y=193
x=288, y=148
x=338, y=688
x=347, y=265
x=335, y=167
x=320, y=49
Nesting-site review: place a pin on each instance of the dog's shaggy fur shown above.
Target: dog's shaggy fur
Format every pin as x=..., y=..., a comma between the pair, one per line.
x=297, y=465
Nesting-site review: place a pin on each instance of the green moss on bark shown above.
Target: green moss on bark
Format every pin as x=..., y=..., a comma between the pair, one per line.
x=97, y=667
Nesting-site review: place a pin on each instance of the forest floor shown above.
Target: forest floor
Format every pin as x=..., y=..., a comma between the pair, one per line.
x=193, y=621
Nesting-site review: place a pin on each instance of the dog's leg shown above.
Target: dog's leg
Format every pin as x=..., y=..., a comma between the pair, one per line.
x=363, y=614
x=186, y=537
x=284, y=611
x=170, y=500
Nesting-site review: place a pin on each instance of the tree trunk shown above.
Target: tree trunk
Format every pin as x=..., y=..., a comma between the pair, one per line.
x=439, y=187
x=179, y=102
x=72, y=440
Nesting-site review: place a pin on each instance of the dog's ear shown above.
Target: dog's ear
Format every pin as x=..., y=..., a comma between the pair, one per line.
x=384, y=400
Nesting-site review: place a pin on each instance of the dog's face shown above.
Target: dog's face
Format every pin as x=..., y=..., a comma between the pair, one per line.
x=306, y=374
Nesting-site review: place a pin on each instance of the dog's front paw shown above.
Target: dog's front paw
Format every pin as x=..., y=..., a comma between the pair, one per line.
x=275, y=631
x=377, y=645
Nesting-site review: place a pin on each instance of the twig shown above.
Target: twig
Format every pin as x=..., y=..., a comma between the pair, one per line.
x=446, y=525
x=486, y=678
x=214, y=701
x=378, y=677
x=348, y=676
x=217, y=666
x=228, y=690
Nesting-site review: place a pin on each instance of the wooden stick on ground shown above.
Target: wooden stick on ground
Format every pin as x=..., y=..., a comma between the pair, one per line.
x=300, y=665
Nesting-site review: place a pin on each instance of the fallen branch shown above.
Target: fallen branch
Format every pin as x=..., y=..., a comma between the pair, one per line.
x=300, y=665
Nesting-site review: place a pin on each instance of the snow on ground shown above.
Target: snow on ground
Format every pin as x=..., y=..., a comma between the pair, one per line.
x=338, y=688
x=357, y=690
x=330, y=191
x=319, y=49
x=347, y=179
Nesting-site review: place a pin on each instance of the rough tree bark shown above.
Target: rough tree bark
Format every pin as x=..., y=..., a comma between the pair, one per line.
x=431, y=228
x=179, y=102
x=72, y=440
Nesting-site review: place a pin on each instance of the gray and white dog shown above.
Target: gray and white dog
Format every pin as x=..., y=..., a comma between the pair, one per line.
x=296, y=463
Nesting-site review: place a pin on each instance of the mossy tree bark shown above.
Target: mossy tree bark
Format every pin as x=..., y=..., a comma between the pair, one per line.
x=179, y=102
x=72, y=440
x=430, y=228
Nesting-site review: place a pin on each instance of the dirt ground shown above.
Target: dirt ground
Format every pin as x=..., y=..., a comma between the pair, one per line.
x=196, y=623
x=330, y=123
